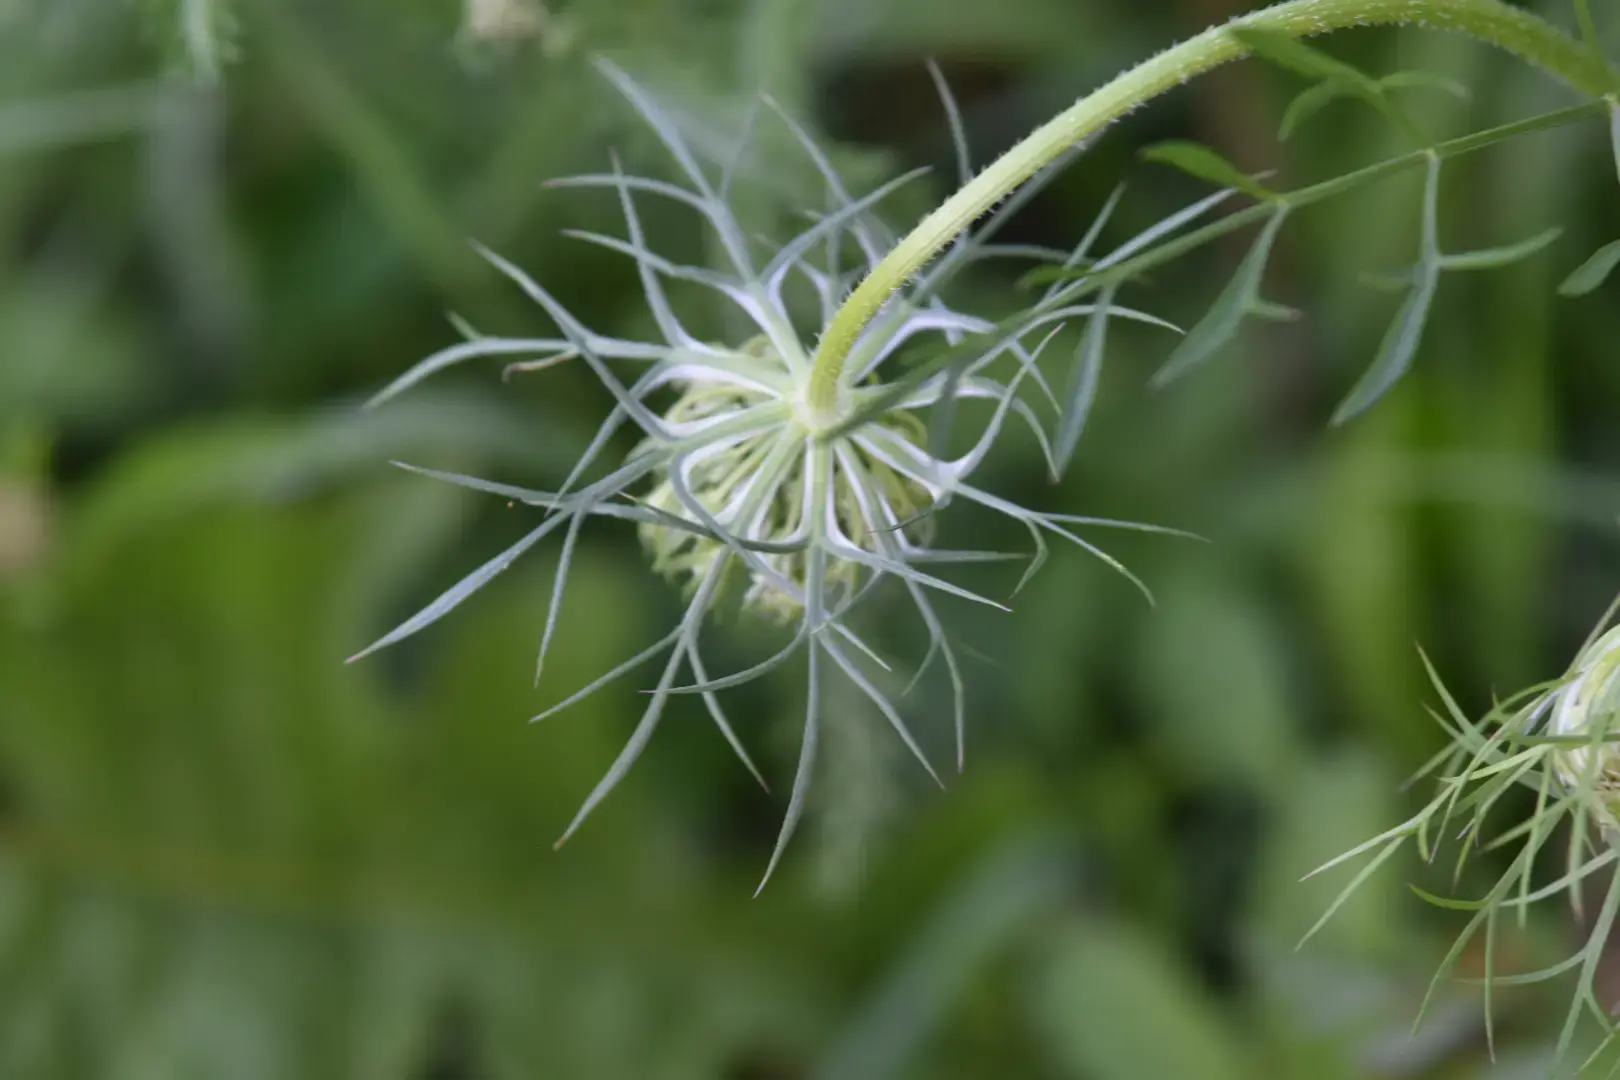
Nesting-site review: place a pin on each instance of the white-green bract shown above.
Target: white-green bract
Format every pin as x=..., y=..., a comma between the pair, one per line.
x=741, y=480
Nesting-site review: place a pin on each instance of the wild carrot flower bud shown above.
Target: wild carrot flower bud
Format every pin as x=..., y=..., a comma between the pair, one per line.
x=1554, y=743
x=805, y=488
x=757, y=486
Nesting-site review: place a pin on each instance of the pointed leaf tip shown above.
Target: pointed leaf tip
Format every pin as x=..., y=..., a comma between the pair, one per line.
x=1198, y=160
x=1309, y=102
x=1395, y=353
x=1400, y=343
x=1426, y=80
x=1588, y=25
x=1492, y=258
x=1082, y=382
x=1591, y=274
x=1221, y=323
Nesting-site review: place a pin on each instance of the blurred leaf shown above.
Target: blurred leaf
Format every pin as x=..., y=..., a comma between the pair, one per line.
x=1278, y=313
x=1210, y=672
x=1589, y=31
x=1030, y=28
x=267, y=858
x=281, y=459
x=68, y=358
x=1425, y=80
x=1591, y=274
x=1110, y=1004
x=1360, y=562
x=385, y=170
x=83, y=116
x=998, y=899
x=1326, y=807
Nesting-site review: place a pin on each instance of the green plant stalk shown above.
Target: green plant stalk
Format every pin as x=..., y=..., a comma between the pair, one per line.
x=1519, y=32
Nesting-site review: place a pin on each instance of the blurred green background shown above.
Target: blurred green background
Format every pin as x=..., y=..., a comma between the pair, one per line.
x=225, y=854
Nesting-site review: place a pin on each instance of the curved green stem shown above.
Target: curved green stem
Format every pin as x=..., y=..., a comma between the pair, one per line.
x=1519, y=32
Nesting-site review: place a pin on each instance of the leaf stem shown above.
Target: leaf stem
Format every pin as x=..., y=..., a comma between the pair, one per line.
x=1515, y=30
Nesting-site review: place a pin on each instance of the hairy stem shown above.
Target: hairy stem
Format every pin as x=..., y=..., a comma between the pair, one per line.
x=1519, y=32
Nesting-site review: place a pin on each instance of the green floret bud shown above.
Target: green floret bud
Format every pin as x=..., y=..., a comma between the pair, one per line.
x=757, y=488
